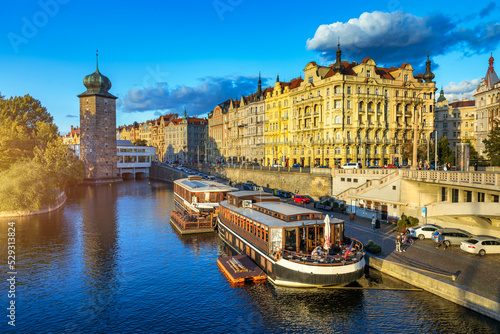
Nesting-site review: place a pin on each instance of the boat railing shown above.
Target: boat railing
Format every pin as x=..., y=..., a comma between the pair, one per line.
x=186, y=221
x=255, y=240
x=326, y=258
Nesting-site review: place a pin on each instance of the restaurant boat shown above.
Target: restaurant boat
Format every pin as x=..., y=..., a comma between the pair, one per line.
x=196, y=204
x=295, y=246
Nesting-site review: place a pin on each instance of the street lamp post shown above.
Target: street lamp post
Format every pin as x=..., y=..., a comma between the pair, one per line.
x=415, y=141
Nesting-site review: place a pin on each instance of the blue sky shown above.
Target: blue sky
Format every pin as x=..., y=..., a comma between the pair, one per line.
x=164, y=56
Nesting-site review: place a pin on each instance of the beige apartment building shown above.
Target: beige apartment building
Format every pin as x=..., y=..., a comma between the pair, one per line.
x=350, y=112
x=487, y=105
x=185, y=139
x=455, y=121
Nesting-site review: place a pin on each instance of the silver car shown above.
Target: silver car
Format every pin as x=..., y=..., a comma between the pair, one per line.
x=452, y=236
x=481, y=246
x=424, y=231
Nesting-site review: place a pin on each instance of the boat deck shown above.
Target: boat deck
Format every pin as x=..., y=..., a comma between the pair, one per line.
x=186, y=224
x=240, y=268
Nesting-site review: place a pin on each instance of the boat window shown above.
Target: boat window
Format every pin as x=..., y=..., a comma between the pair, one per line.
x=291, y=239
x=292, y=218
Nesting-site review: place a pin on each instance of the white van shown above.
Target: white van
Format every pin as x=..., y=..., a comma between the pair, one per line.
x=351, y=165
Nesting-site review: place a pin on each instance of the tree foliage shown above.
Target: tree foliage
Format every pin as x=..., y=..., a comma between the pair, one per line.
x=34, y=162
x=492, y=143
x=445, y=153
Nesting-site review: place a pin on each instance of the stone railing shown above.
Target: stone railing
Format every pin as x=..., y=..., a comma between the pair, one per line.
x=484, y=180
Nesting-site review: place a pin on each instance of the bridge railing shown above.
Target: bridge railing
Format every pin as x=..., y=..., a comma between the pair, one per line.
x=468, y=179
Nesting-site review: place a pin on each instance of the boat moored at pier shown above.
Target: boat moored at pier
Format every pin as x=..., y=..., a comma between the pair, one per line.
x=295, y=246
x=196, y=204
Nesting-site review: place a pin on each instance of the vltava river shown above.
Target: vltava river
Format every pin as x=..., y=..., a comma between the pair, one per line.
x=109, y=262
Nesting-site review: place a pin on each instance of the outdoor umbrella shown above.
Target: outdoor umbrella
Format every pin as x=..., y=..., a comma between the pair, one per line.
x=327, y=233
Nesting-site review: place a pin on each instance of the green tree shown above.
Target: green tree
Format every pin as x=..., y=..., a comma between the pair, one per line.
x=35, y=164
x=445, y=154
x=492, y=143
x=141, y=142
x=26, y=110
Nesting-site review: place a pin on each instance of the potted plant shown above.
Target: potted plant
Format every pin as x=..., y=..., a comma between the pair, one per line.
x=404, y=222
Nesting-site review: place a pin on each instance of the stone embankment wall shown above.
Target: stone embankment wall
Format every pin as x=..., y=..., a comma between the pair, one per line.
x=312, y=184
x=439, y=287
x=61, y=199
x=165, y=174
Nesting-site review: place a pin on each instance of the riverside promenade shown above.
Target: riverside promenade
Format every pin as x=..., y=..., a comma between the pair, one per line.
x=466, y=279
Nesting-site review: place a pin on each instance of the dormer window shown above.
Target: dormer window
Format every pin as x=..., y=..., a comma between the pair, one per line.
x=406, y=77
x=368, y=74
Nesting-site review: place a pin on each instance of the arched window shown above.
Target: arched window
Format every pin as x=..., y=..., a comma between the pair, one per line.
x=337, y=150
x=348, y=150
x=337, y=119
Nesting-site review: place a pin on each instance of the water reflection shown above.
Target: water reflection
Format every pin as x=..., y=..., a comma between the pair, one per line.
x=109, y=262
x=100, y=253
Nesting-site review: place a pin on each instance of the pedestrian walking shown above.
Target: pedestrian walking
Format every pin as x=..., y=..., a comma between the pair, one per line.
x=440, y=240
x=398, y=243
x=403, y=242
x=374, y=221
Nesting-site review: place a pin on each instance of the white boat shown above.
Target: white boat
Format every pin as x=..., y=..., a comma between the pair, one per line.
x=196, y=204
x=288, y=241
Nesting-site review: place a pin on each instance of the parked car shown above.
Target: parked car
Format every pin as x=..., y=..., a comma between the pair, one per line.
x=297, y=165
x=452, y=236
x=277, y=165
x=481, y=246
x=390, y=166
x=424, y=231
x=301, y=199
x=373, y=167
x=247, y=186
x=351, y=165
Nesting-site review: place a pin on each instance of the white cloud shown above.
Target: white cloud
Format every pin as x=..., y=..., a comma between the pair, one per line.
x=196, y=100
x=397, y=37
x=463, y=90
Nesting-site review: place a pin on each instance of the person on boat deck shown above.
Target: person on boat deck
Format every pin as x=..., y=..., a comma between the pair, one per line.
x=317, y=252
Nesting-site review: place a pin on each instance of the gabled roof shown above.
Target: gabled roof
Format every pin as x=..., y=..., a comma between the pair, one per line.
x=461, y=104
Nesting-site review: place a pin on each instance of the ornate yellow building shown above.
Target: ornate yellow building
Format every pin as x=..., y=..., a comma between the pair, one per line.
x=277, y=116
x=349, y=112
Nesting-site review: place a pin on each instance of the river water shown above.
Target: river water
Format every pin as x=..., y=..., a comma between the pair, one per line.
x=109, y=262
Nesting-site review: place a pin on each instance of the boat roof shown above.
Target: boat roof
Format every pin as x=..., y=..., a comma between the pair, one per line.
x=204, y=186
x=285, y=209
x=270, y=221
x=245, y=193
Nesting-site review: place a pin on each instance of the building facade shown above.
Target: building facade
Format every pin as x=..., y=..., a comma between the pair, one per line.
x=185, y=139
x=217, y=129
x=277, y=115
x=98, y=129
x=455, y=121
x=487, y=105
x=350, y=112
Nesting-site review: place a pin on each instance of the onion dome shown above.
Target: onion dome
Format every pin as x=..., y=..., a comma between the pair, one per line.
x=428, y=75
x=441, y=97
x=97, y=84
